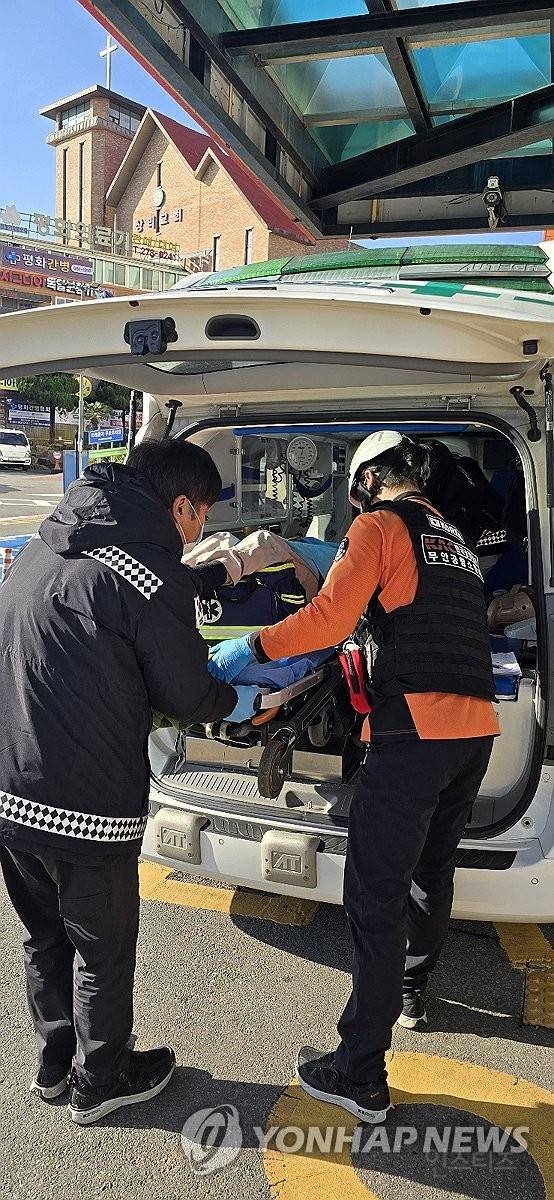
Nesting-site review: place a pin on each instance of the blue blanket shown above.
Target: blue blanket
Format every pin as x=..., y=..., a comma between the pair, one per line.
x=284, y=671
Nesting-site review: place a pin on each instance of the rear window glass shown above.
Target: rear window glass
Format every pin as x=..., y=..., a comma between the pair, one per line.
x=12, y=439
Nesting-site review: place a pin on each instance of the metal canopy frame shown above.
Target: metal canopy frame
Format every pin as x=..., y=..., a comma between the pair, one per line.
x=306, y=39
x=495, y=130
x=228, y=78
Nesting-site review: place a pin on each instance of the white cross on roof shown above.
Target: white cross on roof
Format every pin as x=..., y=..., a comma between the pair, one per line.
x=106, y=53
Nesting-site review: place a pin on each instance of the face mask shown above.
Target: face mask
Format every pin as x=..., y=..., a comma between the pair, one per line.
x=198, y=537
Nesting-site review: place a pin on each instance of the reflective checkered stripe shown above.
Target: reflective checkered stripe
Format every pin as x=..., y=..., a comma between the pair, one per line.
x=492, y=537
x=144, y=580
x=88, y=826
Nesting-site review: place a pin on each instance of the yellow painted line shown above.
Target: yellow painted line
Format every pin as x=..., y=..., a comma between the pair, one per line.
x=501, y=1099
x=18, y=520
x=530, y=951
x=525, y=945
x=538, y=999
x=156, y=884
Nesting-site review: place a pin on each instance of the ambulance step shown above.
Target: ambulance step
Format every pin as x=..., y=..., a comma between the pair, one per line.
x=235, y=785
x=231, y=785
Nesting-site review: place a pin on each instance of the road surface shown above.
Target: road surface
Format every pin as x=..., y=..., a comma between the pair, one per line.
x=26, y=498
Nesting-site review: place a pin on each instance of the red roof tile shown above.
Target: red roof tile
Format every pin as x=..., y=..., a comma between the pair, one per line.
x=193, y=145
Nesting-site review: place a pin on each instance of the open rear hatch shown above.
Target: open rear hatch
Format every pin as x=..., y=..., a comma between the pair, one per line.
x=470, y=337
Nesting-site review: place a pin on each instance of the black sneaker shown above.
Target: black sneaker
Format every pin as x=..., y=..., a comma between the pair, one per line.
x=146, y=1076
x=50, y=1084
x=413, y=1015
x=320, y=1078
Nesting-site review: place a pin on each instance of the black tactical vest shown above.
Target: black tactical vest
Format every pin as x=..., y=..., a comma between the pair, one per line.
x=439, y=642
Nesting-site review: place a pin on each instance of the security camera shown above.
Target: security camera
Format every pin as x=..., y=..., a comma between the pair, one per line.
x=492, y=194
x=493, y=200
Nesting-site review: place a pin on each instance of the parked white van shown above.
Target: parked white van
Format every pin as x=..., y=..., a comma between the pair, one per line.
x=15, y=450
x=442, y=343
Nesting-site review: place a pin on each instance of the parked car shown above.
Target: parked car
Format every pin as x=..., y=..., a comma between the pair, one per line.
x=326, y=356
x=15, y=450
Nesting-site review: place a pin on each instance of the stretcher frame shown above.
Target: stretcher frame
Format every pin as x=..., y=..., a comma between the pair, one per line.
x=270, y=699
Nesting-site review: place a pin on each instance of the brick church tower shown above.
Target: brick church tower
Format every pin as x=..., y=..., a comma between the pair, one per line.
x=93, y=132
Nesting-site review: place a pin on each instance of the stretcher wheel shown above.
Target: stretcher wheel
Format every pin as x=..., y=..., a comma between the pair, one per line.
x=321, y=732
x=273, y=767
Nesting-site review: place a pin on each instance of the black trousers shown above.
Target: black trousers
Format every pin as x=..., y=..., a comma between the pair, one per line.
x=81, y=928
x=406, y=819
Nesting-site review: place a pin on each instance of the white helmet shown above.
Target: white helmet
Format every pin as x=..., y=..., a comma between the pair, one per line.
x=369, y=451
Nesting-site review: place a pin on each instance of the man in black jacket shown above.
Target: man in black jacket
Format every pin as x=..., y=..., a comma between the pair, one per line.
x=97, y=628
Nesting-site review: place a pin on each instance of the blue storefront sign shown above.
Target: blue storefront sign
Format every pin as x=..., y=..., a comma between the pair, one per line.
x=105, y=437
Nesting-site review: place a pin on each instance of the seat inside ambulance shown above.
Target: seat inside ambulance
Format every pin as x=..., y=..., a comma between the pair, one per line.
x=288, y=486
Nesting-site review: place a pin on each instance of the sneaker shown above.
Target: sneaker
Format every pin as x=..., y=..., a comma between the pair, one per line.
x=413, y=1015
x=49, y=1084
x=149, y=1071
x=320, y=1078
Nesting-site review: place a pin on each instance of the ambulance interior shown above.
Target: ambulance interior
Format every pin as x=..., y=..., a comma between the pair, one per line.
x=292, y=480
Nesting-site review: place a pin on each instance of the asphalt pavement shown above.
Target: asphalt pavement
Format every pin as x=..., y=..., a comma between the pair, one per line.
x=236, y=996
x=26, y=498
x=237, y=983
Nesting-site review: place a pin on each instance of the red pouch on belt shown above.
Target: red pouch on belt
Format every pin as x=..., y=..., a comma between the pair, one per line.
x=353, y=662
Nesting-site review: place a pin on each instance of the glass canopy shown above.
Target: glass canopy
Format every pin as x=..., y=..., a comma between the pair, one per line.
x=350, y=104
x=458, y=76
x=251, y=14
x=363, y=115
x=353, y=103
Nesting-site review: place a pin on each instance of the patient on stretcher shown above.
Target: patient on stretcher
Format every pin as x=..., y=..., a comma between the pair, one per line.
x=270, y=577
x=302, y=700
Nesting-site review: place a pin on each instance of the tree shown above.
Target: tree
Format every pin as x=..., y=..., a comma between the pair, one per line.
x=114, y=395
x=98, y=410
x=62, y=391
x=51, y=391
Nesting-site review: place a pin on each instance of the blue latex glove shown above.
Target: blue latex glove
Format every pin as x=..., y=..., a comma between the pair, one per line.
x=245, y=706
x=228, y=659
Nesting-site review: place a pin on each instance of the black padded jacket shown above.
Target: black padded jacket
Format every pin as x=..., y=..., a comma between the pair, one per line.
x=97, y=629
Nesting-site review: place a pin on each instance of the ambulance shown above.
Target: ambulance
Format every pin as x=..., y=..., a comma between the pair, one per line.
x=279, y=370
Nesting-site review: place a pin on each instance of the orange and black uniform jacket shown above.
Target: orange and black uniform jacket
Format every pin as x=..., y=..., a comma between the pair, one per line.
x=377, y=554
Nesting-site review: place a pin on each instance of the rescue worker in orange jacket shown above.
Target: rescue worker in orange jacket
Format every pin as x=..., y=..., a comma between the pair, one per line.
x=430, y=737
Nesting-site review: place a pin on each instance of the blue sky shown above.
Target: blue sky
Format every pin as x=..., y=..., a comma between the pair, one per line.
x=50, y=50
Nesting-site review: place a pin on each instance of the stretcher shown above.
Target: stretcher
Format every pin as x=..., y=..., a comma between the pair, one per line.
x=317, y=700
x=315, y=708
x=318, y=707
x=302, y=701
